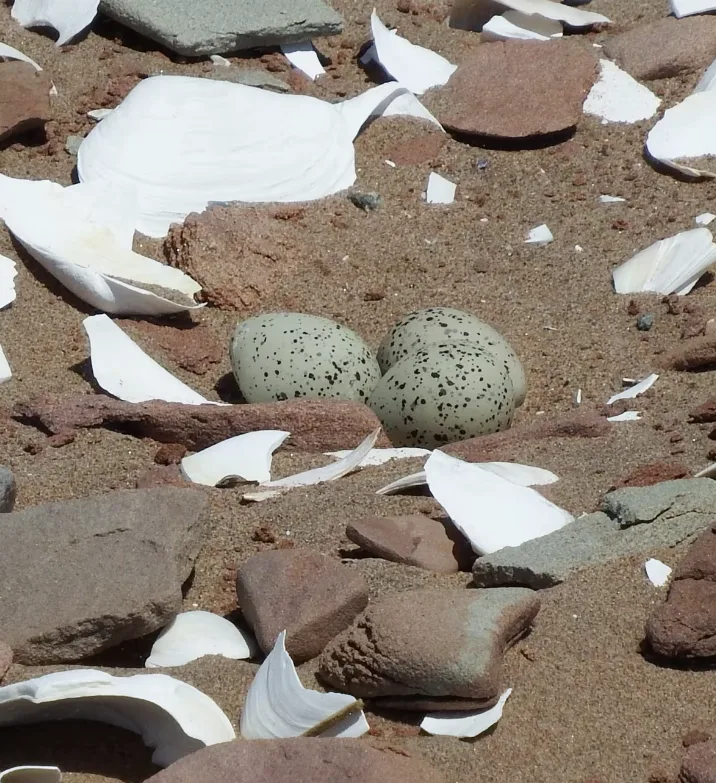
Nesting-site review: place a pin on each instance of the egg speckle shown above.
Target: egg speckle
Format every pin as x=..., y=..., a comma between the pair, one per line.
x=282, y=356
x=444, y=393
x=443, y=324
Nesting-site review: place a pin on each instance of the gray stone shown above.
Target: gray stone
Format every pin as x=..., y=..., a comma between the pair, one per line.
x=81, y=576
x=224, y=26
x=251, y=77
x=637, y=521
x=430, y=649
x=72, y=145
x=8, y=490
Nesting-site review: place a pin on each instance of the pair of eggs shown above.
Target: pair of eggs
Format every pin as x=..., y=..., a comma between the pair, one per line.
x=440, y=375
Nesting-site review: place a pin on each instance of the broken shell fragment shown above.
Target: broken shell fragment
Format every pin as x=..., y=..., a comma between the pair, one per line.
x=464, y=724
x=472, y=14
x=278, y=706
x=381, y=456
x=618, y=97
x=539, y=236
x=68, y=17
x=440, y=190
x=192, y=635
x=516, y=25
x=173, y=718
x=11, y=53
x=657, y=572
x=303, y=56
x=5, y=371
x=31, y=775
x=634, y=391
x=8, y=273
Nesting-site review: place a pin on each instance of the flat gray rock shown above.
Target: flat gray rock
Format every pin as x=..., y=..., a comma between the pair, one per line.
x=8, y=490
x=81, y=576
x=223, y=26
x=637, y=520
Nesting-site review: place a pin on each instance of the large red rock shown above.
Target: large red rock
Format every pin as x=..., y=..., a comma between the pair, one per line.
x=699, y=764
x=24, y=98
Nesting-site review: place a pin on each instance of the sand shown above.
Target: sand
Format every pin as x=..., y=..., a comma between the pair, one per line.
x=587, y=705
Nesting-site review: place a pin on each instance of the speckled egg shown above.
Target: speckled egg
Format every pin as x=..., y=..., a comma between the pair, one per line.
x=441, y=324
x=444, y=393
x=283, y=356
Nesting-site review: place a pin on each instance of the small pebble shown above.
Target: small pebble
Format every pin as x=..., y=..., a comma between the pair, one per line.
x=72, y=145
x=644, y=322
x=368, y=202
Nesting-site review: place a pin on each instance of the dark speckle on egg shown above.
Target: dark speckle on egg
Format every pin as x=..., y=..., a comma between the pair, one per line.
x=280, y=356
x=444, y=393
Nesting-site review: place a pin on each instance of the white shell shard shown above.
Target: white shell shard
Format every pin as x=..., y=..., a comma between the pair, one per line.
x=99, y=114
x=123, y=370
x=440, y=190
x=303, y=56
x=708, y=80
x=685, y=133
x=277, y=705
x=471, y=14
x=671, y=265
x=413, y=66
x=611, y=199
x=31, y=775
x=82, y=235
x=10, y=53
x=618, y=97
x=704, y=219
x=523, y=475
x=173, y=718
x=490, y=511
x=513, y=24
x=8, y=273
x=246, y=457
x=5, y=371
x=185, y=142
x=464, y=724
x=539, y=236
x=407, y=105
x=336, y=470
x=381, y=456
x=626, y=416
x=192, y=635
x=217, y=59
x=680, y=8
x=68, y=17
x=657, y=572
x=634, y=391
x=708, y=472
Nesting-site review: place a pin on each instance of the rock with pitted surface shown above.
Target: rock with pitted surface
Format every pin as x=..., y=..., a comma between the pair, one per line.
x=309, y=595
x=699, y=764
x=430, y=649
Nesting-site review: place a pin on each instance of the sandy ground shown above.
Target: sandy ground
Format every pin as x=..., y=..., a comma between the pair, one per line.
x=586, y=704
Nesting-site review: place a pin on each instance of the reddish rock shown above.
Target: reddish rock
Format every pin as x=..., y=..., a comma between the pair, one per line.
x=309, y=595
x=653, y=473
x=694, y=737
x=517, y=89
x=704, y=413
x=693, y=354
x=5, y=659
x=24, y=98
x=699, y=764
x=665, y=48
x=414, y=540
x=315, y=425
x=161, y=476
x=194, y=348
x=170, y=454
x=413, y=152
x=684, y=627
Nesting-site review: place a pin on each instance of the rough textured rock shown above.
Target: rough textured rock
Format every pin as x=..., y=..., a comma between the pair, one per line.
x=699, y=764
x=315, y=425
x=416, y=151
x=237, y=255
x=638, y=520
x=705, y=413
x=535, y=88
x=298, y=760
x=8, y=489
x=310, y=596
x=685, y=625
x=24, y=98
x=223, y=26
x=695, y=353
x=430, y=649
x=653, y=473
x=414, y=540
x=5, y=659
x=665, y=48
x=81, y=576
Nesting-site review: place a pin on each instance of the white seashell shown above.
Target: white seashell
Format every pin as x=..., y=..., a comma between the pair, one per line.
x=413, y=66
x=470, y=14
x=611, y=199
x=68, y=17
x=672, y=265
x=464, y=724
x=381, y=456
x=336, y=470
x=31, y=775
x=440, y=190
x=185, y=142
x=246, y=457
x=513, y=24
x=490, y=511
x=172, y=717
x=680, y=8
x=539, y=236
x=99, y=114
x=618, y=97
x=626, y=416
x=657, y=572
x=635, y=390
x=122, y=368
x=192, y=635
x=704, y=219
x=82, y=235
x=277, y=705
x=303, y=56
x=10, y=53
x=217, y=59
